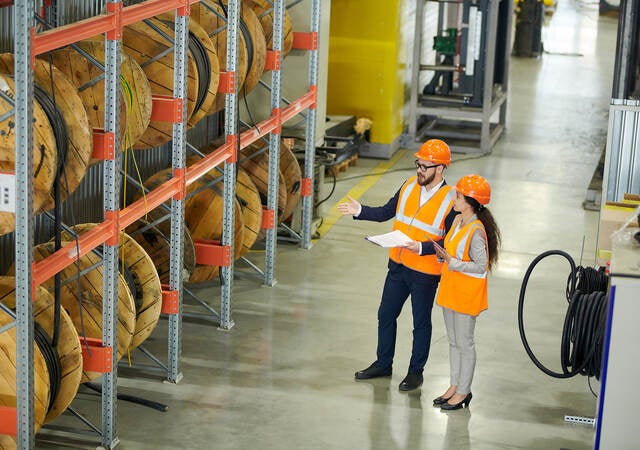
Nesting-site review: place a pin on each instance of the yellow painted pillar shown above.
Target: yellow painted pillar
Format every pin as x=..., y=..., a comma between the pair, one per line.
x=366, y=75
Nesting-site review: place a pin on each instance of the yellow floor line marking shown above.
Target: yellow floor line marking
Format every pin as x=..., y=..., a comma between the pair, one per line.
x=357, y=191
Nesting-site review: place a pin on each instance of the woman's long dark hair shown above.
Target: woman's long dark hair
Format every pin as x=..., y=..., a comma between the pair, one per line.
x=490, y=227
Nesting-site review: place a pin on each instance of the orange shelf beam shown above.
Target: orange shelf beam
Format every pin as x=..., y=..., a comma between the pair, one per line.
x=207, y=163
x=68, y=34
x=150, y=201
x=49, y=40
x=136, y=13
x=48, y=267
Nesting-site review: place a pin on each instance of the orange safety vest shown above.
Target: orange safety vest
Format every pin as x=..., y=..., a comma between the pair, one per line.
x=421, y=223
x=463, y=292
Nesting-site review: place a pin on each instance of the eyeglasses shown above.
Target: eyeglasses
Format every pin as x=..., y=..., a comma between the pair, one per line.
x=423, y=167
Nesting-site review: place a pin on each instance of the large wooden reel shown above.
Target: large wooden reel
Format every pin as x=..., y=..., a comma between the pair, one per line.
x=249, y=198
x=73, y=117
x=264, y=10
x=203, y=215
x=212, y=18
x=154, y=235
x=135, y=92
x=8, y=370
x=150, y=43
x=253, y=33
x=208, y=65
x=86, y=310
x=255, y=160
x=68, y=345
x=142, y=280
x=290, y=169
x=44, y=151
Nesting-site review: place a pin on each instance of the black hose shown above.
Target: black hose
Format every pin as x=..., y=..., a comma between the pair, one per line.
x=131, y=398
x=583, y=331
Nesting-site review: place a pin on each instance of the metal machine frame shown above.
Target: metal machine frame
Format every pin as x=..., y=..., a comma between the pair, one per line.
x=450, y=117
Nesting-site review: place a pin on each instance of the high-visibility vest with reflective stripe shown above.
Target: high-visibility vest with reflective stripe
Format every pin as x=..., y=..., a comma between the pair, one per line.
x=461, y=291
x=421, y=223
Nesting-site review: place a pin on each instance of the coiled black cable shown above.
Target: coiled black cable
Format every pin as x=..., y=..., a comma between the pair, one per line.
x=583, y=331
x=51, y=359
x=59, y=128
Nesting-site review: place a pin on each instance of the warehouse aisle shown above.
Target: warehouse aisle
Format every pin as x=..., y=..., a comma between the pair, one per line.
x=282, y=378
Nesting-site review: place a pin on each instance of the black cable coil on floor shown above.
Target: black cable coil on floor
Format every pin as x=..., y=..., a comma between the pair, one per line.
x=584, y=324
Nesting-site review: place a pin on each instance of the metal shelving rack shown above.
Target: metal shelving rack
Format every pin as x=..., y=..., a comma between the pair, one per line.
x=28, y=44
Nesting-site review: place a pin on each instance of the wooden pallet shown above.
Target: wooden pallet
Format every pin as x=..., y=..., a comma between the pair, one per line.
x=342, y=166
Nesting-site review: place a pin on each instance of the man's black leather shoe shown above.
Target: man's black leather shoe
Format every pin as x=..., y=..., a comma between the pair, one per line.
x=411, y=381
x=373, y=371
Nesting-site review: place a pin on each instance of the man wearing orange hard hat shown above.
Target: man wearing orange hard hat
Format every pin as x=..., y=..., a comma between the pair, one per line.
x=421, y=209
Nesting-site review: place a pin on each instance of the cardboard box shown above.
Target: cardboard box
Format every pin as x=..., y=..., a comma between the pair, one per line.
x=613, y=216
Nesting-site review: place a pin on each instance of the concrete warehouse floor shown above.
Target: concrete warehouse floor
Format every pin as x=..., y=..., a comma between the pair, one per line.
x=283, y=377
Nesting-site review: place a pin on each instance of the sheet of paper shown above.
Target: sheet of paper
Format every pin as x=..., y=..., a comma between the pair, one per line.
x=396, y=238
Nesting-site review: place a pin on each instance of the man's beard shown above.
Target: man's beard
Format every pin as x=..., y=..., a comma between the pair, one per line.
x=425, y=180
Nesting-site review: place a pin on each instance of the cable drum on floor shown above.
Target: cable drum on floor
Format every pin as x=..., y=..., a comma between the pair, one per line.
x=584, y=323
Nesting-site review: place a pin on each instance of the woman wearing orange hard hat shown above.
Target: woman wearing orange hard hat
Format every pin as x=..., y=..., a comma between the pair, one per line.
x=470, y=251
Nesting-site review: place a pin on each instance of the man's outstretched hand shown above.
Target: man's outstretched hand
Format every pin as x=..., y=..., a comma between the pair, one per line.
x=351, y=207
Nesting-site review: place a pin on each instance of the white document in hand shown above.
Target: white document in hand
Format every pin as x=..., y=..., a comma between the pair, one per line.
x=396, y=238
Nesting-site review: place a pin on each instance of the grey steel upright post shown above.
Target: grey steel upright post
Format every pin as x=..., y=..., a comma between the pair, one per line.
x=177, y=206
x=231, y=129
x=23, y=24
x=310, y=143
x=415, y=70
x=274, y=145
x=111, y=202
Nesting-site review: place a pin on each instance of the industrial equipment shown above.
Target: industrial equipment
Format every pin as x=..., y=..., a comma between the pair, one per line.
x=470, y=74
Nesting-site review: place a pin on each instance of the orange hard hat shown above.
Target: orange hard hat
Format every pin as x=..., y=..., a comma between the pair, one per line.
x=436, y=151
x=476, y=187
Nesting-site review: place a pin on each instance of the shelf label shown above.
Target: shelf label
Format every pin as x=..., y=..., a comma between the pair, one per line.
x=7, y=192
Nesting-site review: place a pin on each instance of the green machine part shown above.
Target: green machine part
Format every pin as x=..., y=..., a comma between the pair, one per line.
x=445, y=43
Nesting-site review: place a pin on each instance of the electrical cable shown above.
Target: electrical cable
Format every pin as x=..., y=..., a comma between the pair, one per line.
x=51, y=359
x=59, y=128
x=203, y=65
x=583, y=331
x=333, y=188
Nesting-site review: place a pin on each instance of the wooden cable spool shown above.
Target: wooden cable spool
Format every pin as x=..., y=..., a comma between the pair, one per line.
x=264, y=11
x=253, y=33
x=150, y=43
x=8, y=371
x=249, y=199
x=155, y=238
x=292, y=174
x=8, y=375
x=67, y=102
x=257, y=166
x=135, y=98
x=146, y=292
x=207, y=62
x=212, y=18
x=90, y=324
x=203, y=216
x=44, y=154
x=68, y=345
